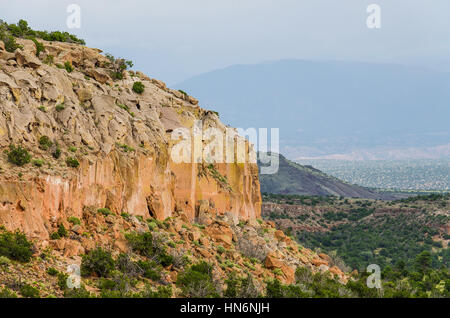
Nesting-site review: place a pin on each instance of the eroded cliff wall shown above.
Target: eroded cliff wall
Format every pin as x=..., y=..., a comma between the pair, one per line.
x=121, y=139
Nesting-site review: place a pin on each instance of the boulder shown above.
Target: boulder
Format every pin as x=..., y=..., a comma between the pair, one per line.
x=323, y=268
x=194, y=235
x=84, y=94
x=100, y=75
x=73, y=248
x=317, y=262
x=220, y=233
x=336, y=271
x=193, y=100
x=26, y=59
x=272, y=262
x=159, y=84
x=325, y=257
x=289, y=274
x=77, y=229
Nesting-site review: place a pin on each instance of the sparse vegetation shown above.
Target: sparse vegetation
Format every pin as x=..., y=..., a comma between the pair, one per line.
x=45, y=143
x=18, y=155
x=22, y=30
x=52, y=271
x=97, y=262
x=74, y=220
x=72, y=162
x=15, y=246
x=39, y=46
x=125, y=147
x=105, y=211
x=68, y=67
x=49, y=59
x=38, y=162
x=60, y=107
x=197, y=281
x=138, y=87
x=118, y=66
x=7, y=293
x=56, y=153
x=29, y=291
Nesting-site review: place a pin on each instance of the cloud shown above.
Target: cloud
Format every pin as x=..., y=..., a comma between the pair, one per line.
x=175, y=39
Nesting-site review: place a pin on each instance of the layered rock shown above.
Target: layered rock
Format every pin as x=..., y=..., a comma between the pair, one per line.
x=122, y=141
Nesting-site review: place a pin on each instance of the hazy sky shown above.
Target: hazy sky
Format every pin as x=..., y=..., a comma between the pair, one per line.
x=175, y=39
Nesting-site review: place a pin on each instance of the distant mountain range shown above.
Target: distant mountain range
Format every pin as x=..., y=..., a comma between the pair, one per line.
x=293, y=178
x=346, y=110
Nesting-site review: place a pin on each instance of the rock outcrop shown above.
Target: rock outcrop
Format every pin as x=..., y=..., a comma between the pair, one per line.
x=122, y=141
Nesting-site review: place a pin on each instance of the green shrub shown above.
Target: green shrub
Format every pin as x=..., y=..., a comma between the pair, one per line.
x=117, y=66
x=125, y=147
x=105, y=211
x=39, y=46
x=62, y=280
x=4, y=261
x=72, y=162
x=56, y=153
x=49, y=59
x=72, y=149
x=52, y=271
x=152, y=225
x=62, y=230
x=200, y=226
x=97, y=262
x=232, y=283
x=59, y=65
x=7, y=293
x=68, y=66
x=138, y=87
x=42, y=109
x=55, y=236
x=221, y=249
x=29, y=291
x=45, y=142
x=38, y=162
x=151, y=270
x=21, y=29
x=77, y=293
x=18, y=155
x=125, y=215
x=10, y=44
x=165, y=259
x=197, y=281
x=141, y=243
x=162, y=292
x=74, y=220
x=60, y=107
x=15, y=246
x=172, y=244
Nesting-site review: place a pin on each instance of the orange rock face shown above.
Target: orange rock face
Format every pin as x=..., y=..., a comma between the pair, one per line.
x=317, y=262
x=138, y=186
x=122, y=140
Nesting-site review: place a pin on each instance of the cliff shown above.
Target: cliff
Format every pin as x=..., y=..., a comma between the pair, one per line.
x=96, y=143
x=89, y=180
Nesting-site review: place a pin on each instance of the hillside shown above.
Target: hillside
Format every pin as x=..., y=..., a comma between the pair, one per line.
x=366, y=231
x=403, y=237
x=88, y=180
x=293, y=178
x=334, y=107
